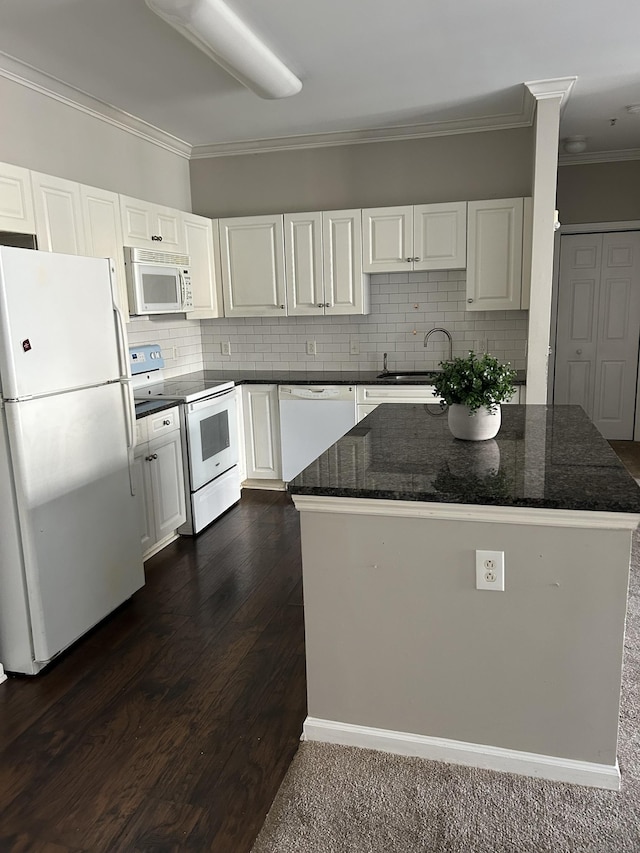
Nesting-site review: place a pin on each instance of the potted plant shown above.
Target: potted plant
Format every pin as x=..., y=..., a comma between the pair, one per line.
x=473, y=387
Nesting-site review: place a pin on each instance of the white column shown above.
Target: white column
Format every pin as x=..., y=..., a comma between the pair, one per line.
x=550, y=96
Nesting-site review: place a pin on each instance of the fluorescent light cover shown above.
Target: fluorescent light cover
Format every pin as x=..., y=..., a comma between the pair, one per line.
x=213, y=27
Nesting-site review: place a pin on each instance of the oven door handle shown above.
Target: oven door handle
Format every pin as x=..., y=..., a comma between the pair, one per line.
x=207, y=402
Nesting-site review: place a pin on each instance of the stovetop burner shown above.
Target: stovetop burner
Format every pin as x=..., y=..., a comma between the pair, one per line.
x=148, y=379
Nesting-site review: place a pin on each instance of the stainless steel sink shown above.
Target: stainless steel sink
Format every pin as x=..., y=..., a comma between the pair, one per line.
x=423, y=375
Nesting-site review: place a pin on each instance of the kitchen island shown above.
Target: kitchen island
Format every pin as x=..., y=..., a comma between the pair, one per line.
x=405, y=654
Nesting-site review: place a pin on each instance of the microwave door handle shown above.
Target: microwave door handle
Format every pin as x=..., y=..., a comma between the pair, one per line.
x=183, y=294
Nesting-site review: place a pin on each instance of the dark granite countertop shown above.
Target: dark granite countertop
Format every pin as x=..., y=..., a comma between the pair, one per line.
x=543, y=457
x=315, y=377
x=150, y=407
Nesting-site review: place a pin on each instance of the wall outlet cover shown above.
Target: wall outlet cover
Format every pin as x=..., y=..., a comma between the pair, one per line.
x=225, y=346
x=354, y=348
x=490, y=570
x=311, y=348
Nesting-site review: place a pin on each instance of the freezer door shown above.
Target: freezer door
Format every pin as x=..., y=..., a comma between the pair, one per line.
x=57, y=325
x=78, y=520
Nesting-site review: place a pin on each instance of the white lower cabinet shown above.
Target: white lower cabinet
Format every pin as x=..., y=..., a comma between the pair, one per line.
x=261, y=432
x=159, y=479
x=369, y=397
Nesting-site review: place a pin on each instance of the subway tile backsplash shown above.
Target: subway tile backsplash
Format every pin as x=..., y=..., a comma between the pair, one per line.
x=404, y=306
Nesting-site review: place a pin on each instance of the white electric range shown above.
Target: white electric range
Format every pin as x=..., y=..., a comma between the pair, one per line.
x=209, y=433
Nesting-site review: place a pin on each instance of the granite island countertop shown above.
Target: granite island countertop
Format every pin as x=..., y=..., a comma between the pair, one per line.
x=543, y=457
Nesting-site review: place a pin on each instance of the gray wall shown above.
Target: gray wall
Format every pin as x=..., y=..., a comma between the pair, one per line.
x=47, y=135
x=398, y=638
x=449, y=168
x=599, y=192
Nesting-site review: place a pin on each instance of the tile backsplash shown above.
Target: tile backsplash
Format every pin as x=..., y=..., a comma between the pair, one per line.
x=404, y=306
x=181, y=341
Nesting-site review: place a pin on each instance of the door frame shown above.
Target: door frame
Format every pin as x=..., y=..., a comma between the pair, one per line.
x=584, y=228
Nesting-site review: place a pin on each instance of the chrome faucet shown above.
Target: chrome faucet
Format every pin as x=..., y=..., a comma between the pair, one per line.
x=444, y=332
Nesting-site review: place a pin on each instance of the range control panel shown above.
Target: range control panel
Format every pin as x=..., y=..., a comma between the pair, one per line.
x=145, y=358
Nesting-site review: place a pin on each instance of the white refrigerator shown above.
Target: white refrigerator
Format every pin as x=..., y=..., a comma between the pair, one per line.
x=70, y=548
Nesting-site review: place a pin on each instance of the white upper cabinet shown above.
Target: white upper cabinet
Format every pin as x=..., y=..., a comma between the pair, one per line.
x=151, y=226
x=494, y=268
x=440, y=236
x=103, y=235
x=201, y=243
x=345, y=288
x=16, y=202
x=303, y=263
x=418, y=237
x=387, y=239
x=58, y=212
x=252, y=256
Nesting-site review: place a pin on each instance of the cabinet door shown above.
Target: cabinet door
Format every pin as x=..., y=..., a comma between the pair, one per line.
x=494, y=267
x=440, y=236
x=58, y=211
x=252, y=254
x=199, y=234
x=262, y=432
x=141, y=475
x=16, y=202
x=150, y=226
x=167, y=483
x=387, y=239
x=345, y=288
x=303, y=263
x=103, y=235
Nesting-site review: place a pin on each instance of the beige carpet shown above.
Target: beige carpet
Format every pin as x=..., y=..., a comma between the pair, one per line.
x=346, y=800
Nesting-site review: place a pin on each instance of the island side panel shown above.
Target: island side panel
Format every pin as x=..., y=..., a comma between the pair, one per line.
x=398, y=638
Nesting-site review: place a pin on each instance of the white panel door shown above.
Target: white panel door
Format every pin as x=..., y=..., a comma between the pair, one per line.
x=16, y=203
x=103, y=235
x=58, y=211
x=252, y=253
x=344, y=282
x=78, y=518
x=387, y=239
x=138, y=221
x=70, y=340
x=200, y=237
x=440, y=236
x=617, y=336
x=303, y=263
x=599, y=328
x=167, y=481
x=169, y=227
x=494, y=259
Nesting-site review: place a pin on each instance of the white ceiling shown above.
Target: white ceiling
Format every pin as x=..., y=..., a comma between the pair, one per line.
x=368, y=66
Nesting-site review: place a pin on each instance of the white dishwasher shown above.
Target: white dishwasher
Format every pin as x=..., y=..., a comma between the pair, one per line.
x=312, y=418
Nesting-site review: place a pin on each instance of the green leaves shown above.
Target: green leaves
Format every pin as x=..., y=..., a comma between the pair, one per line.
x=475, y=382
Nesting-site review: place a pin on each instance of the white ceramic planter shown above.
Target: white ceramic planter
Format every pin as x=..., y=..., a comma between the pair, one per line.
x=473, y=426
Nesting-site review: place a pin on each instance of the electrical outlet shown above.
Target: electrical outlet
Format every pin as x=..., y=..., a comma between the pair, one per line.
x=225, y=347
x=311, y=347
x=490, y=570
x=354, y=348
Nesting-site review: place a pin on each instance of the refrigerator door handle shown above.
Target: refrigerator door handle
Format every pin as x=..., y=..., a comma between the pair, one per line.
x=130, y=419
x=122, y=341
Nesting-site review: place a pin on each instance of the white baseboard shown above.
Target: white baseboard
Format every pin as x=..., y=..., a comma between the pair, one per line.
x=269, y=485
x=458, y=752
x=3, y=677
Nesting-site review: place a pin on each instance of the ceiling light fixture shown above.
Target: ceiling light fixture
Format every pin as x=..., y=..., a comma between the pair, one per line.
x=574, y=144
x=214, y=28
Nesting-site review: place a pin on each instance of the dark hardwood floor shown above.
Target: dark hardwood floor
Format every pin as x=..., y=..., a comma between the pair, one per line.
x=629, y=454
x=171, y=725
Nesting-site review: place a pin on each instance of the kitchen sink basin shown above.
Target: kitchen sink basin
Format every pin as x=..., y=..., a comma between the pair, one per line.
x=423, y=375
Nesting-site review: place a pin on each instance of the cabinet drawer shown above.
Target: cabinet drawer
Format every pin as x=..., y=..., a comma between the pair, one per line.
x=395, y=394
x=154, y=426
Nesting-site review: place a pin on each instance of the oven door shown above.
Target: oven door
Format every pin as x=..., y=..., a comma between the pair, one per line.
x=211, y=437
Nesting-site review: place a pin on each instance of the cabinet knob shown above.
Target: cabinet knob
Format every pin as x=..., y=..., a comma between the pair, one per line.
x=578, y=352
x=148, y=458
x=327, y=305
x=469, y=300
x=282, y=306
x=415, y=259
x=156, y=237
x=166, y=422
x=320, y=304
x=408, y=260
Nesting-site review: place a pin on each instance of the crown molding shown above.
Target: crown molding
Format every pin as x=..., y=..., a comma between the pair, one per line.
x=599, y=157
x=507, y=121
x=558, y=87
x=26, y=75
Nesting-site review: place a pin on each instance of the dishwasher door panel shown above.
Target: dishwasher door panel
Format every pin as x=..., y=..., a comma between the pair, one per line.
x=309, y=426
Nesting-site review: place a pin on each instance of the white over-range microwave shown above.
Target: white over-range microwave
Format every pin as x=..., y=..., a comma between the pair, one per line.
x=157, y=282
